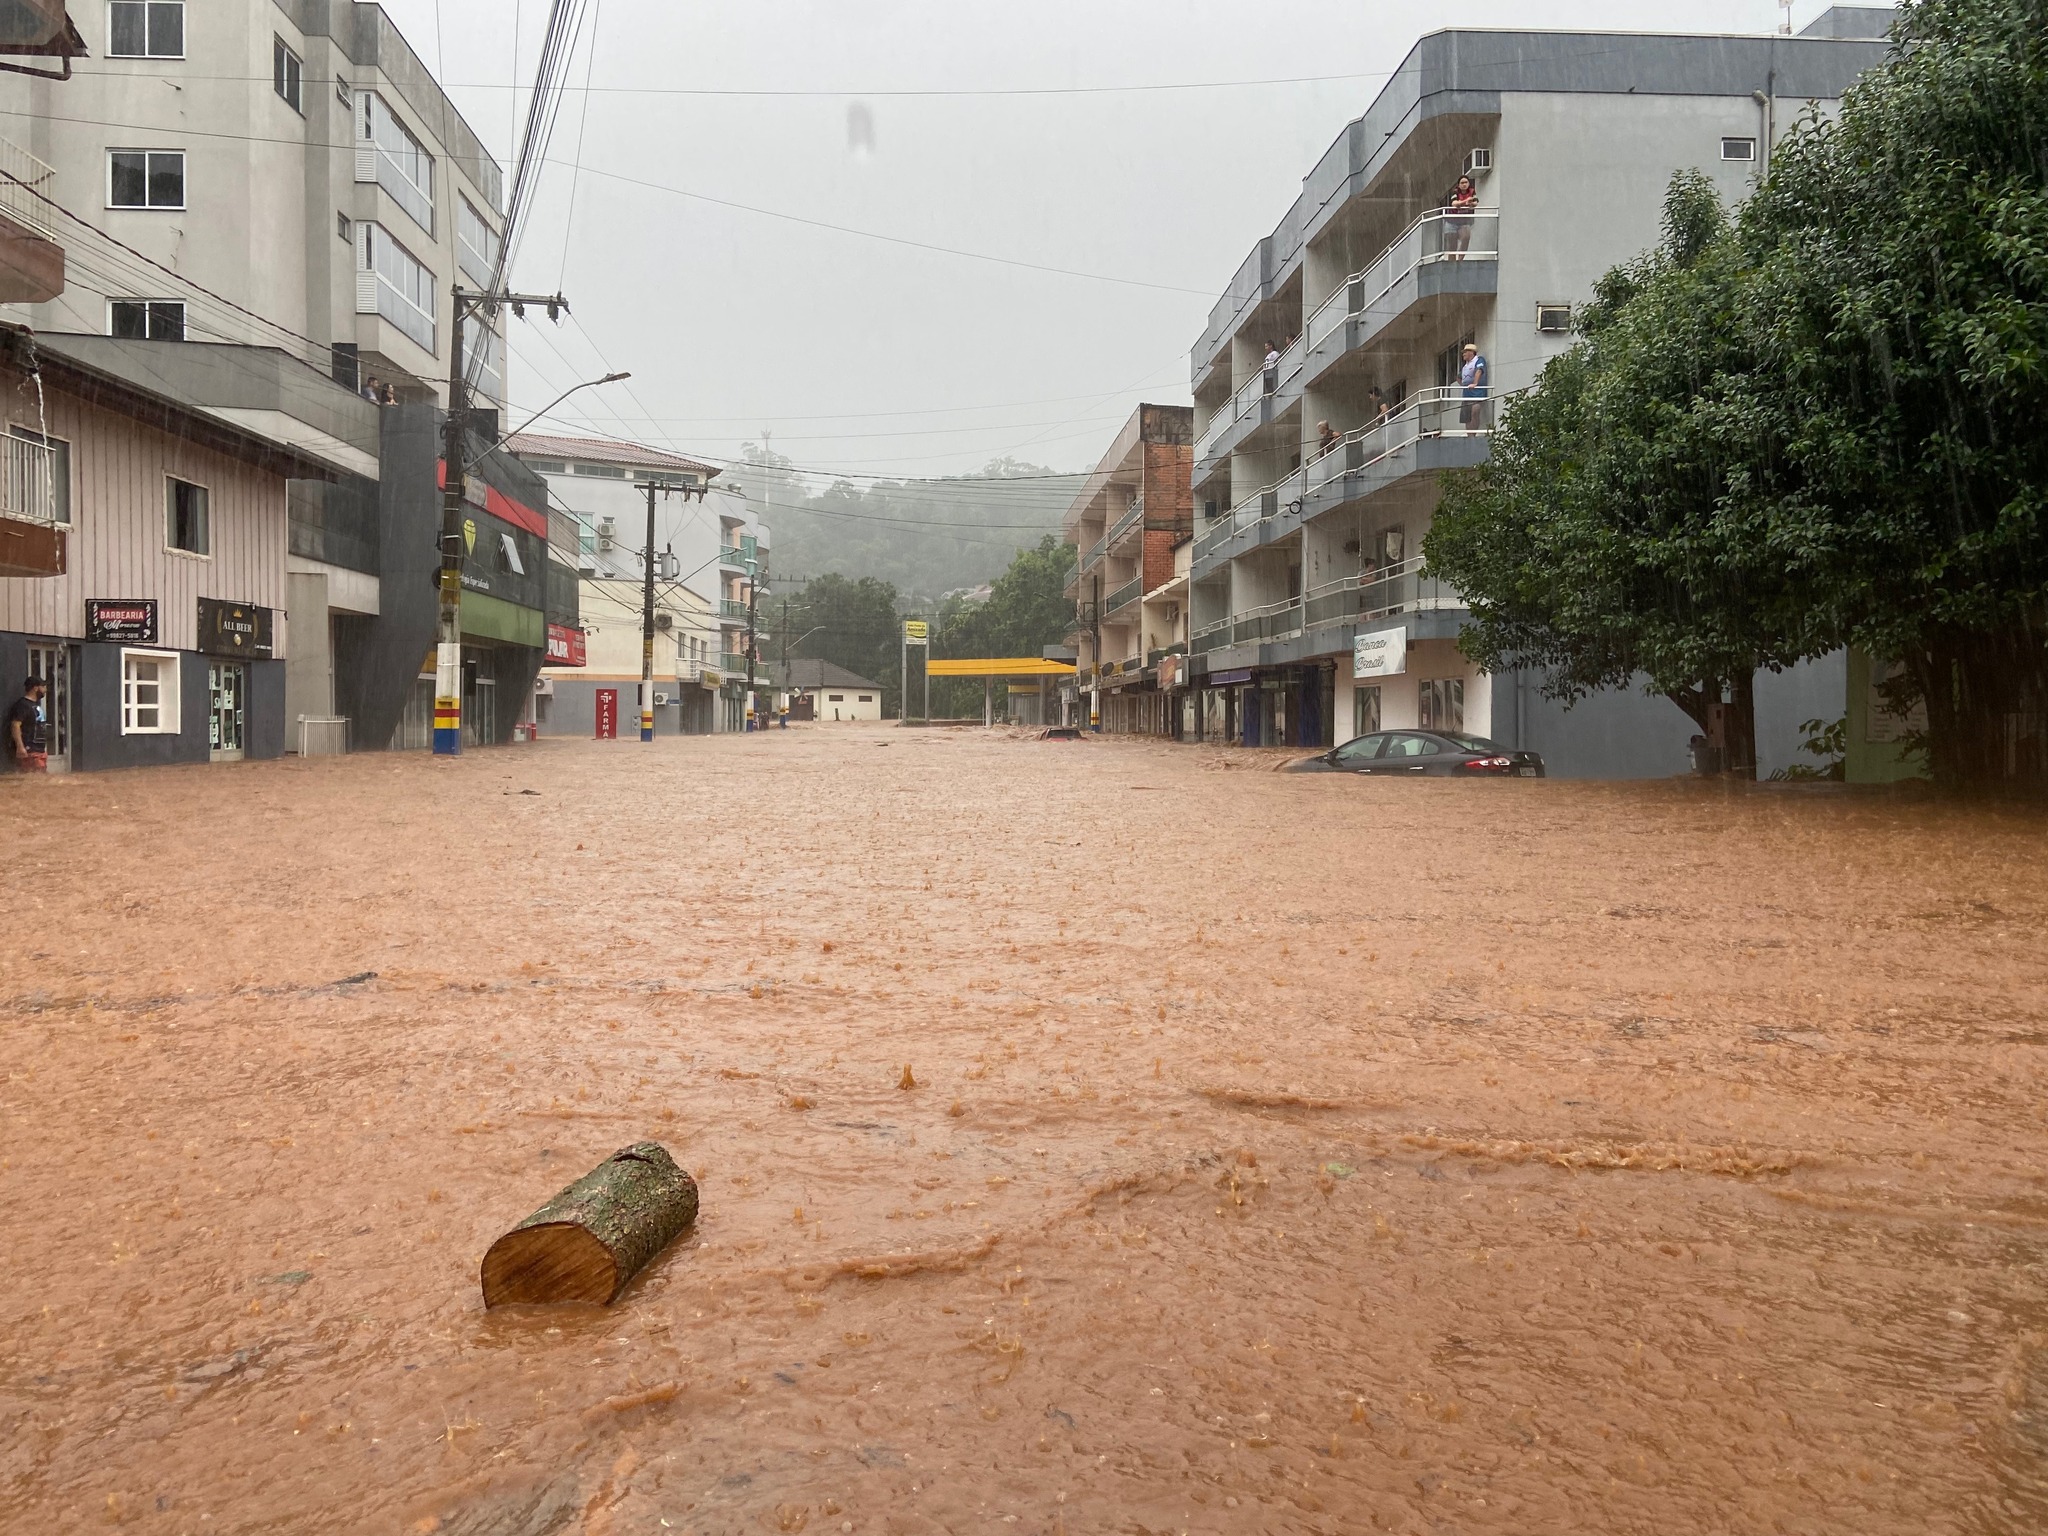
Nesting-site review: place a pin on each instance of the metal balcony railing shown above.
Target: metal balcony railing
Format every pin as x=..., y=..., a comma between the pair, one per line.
x=1245, y=403
x=1429, y=413
x=730, y=665
x=28, y=490
x=1439, y=235
x=22, y=176
x=732, y=554
x=1095, y=553
x=728, y=609
x=1123, y=525
x=1128, y=593
x=1155, y=656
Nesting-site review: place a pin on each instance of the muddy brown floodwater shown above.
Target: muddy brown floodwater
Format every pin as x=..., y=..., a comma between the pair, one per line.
x=1287, y=1152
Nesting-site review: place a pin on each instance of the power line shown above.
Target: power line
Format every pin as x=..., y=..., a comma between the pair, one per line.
x=504, y=253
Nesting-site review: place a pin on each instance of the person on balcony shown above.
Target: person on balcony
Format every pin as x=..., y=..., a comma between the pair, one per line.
x=1326, y=438
x=1472, y=378
x=1375, y=407
x=1272, y=366
x=1459, y=210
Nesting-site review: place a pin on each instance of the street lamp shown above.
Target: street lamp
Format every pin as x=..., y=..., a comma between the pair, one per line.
x=610, y=378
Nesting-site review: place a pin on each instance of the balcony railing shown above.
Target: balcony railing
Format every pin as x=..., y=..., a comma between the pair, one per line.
x=1124, y=524
x=732, y=554
x=1266, y=502
x=1397, y=588
x=1128, y=593
x=1429, y=413
x=28, y=492
x=730, y=665
x=1095, y=553
x=1245, y=403
x=22, y=175
x=728, y=609
x=1436, y=236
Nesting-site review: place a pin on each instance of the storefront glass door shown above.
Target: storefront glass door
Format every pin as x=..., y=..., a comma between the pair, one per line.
x=228, y=686
x=52, y=663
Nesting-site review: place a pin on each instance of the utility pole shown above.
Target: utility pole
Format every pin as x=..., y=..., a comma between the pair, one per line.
x=753, y=604
x=652, y=487
x=454, y=495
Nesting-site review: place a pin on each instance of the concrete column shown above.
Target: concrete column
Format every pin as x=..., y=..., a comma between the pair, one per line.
x=309, y=664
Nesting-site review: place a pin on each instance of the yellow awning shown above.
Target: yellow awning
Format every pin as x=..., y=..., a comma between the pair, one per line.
x=1001, y=666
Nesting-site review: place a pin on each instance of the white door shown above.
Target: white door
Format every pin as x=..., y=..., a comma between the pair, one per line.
x=52, y=663
x=229, y=682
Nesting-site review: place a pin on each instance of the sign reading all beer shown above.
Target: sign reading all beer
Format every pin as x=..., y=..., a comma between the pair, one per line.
x=125, y=621
x=233, y=629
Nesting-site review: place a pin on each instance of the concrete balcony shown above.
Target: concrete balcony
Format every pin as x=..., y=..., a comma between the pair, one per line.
x=1328, y=617
x=1261, y=400
x=731, y=612
x=1441, y=253
x=31, y=254
x=1124, y=596
x=1121, y=533
x=1435, y=430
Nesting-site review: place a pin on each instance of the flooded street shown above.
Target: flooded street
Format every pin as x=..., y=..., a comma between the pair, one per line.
x=1285, y=1153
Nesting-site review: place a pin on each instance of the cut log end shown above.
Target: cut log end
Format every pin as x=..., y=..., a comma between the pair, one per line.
x=592, y=1238
x=558, y=1261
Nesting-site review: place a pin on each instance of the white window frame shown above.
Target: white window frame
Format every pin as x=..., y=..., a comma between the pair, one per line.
x=149, y=305
x=476, y=264
x=513, y=564
x=170, y=512
x=294, y=74
x=1736, y=138
x=169, y=703
x=377, y=289
x=184, y=173
x=147, y=7
x=372, y=156
x=60, y=485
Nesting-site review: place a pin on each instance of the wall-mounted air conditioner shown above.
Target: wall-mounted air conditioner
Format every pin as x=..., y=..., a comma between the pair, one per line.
x=607, y=532
x=1478, y=162
x=661, y=698
x=1554, y=319
x=664, y=621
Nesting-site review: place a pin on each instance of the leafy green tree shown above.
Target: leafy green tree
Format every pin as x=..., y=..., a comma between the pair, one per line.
x=1026, y=610
x=854, y=624
x=1587, y=545
x=1897, y=424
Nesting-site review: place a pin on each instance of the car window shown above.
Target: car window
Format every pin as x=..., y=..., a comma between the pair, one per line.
x=1474, y=743
x=1359, y=748
x=1412, y=746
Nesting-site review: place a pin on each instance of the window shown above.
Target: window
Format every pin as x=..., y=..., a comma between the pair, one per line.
x=835, y=698
x=287, y=75
x=147, y=319
x=1738, y=149
x=512, y=563
x=185, y=516
x=547, y=466
x=1412, y=746
x=41, y=473
x=149, y=693
x=146, y=29
x=1365, y=710
x=607, y=471
x=344, y=229
x=343, y=94
x=1360, y=749
x=404, y=289
x=867, y=698
x=476, y=243
x=403, y=166
x=145, y=178
x=1442, y=705
x=483, y=359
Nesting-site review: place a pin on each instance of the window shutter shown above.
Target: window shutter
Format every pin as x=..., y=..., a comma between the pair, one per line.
x=366, y=278
x=366, y=152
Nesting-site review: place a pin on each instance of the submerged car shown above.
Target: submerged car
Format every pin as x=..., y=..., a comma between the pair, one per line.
x=1441, y=753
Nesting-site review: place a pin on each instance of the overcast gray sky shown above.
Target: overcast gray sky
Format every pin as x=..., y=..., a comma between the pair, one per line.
x=880, y=358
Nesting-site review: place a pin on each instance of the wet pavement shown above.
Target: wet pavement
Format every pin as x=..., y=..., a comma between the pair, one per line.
x=1286, y=1153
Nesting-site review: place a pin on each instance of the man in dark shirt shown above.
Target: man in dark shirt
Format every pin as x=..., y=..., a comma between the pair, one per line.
x=25, y=727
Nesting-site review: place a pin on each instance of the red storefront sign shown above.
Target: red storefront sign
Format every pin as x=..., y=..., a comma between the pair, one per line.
x=607, y=714
x=565, y=646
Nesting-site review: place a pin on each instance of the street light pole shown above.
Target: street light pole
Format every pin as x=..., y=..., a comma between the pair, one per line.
x=647, y=625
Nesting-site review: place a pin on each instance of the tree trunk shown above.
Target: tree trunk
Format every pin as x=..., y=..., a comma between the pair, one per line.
x=595, y=1235
x=1987, y=708
x=1738, y=728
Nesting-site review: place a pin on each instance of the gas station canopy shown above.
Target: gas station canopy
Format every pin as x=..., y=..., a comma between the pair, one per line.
x=1000, y=666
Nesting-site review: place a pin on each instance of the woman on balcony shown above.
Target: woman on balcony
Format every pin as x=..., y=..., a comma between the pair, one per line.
x=1459, y=210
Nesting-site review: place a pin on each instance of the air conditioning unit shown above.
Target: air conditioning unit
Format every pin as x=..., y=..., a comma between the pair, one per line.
x=664, y=621
x=1553, y=319
x=607, y=532
x=1478, y=162
x=544, y=687
x=661, y=698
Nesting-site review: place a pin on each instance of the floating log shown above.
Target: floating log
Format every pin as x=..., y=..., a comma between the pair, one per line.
x=596, y=1235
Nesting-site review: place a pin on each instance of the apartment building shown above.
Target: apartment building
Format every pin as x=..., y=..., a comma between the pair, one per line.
x=293, y=160
x=1429, y=268
x=709, y=545
x=1130, y=524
